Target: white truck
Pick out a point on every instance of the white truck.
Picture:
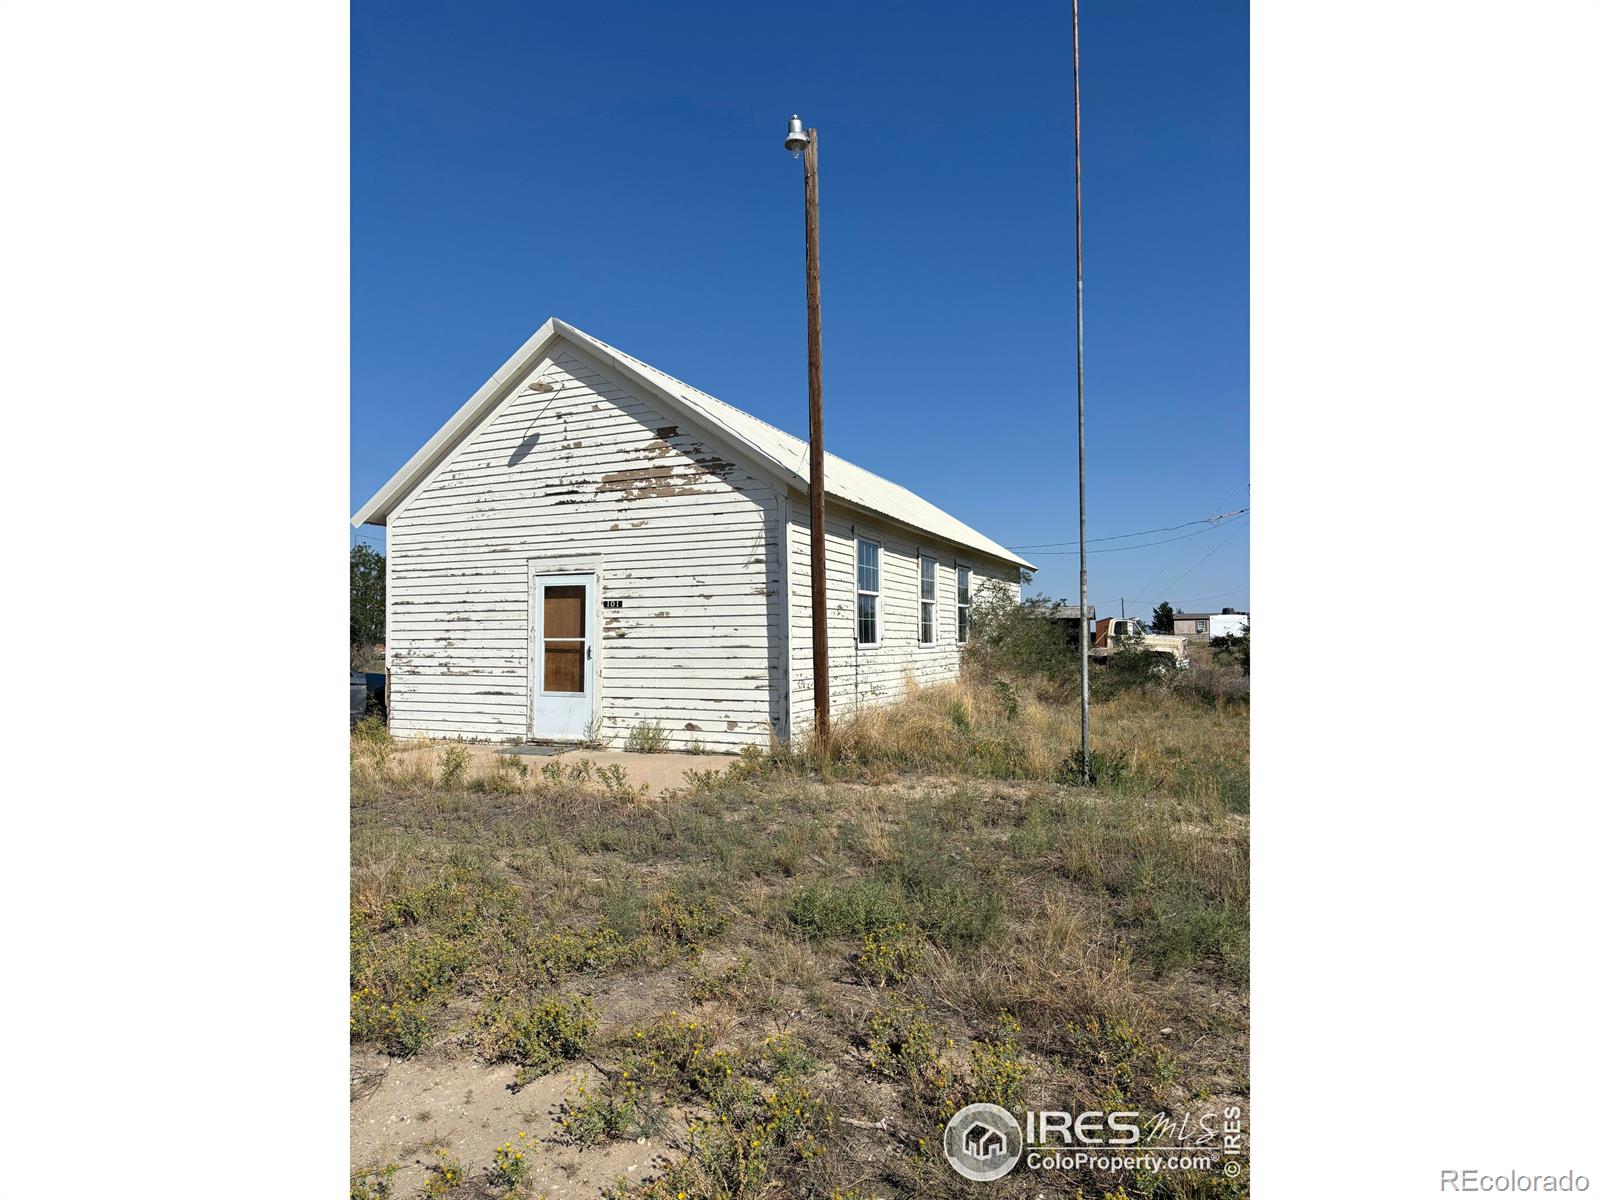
(1121, 633)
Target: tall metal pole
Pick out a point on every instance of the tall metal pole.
(1083, 524)
(819, 567)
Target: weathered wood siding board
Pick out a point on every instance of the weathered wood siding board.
(690, 543)
(860, 675)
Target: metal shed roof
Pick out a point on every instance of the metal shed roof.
(782, 452)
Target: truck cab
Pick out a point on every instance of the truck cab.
(1124, 633)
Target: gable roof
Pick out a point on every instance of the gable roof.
(781, 453)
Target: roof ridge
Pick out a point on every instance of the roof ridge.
(760, 420)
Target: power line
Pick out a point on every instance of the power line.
(1213, 596)
(1114, 537)
(1144, 546)
(1242, 483)
(1183, 574)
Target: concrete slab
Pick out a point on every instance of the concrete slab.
(659, 771)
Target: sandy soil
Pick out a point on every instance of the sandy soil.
(406, 1109)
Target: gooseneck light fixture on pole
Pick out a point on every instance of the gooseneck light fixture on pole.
(802, 143)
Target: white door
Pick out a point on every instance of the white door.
(563, 656)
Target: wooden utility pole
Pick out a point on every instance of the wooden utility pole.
(1083, 522)
(819, 536)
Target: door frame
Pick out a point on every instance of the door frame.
(565, 565)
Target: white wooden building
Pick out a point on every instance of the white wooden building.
(589, 544)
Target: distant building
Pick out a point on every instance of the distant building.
(1227, 623)
(1057, 612)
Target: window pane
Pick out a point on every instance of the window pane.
(563, 667)
(867, 618)
(867, 566)
(963, 623)
(963, 586)
(927, 579)
(564, 611)
(925, 633)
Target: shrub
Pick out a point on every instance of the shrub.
(1017, 639)
(902, 1044)
(552, 1030)
(444, 1176)
(376, 1184)
(623, 1109)
(453, 766)
(998, 1068)
(890, 955)
(510, 1165)
(825, 908)
(1121, 1065)
(647, 737)
(1105, 769)
(686, 921)
(704, 986)
(401, 1027)
(371, 732)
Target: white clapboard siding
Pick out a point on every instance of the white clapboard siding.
(689, 541)
(694, 515)
(859, 675)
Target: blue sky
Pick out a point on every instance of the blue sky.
(621, 166)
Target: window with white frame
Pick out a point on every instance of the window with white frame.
(866, 592)
(927, 626)
(963, 603)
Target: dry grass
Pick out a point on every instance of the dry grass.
(1154, 740)
(1109, 923)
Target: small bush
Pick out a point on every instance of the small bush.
(1122, 1066)
(623, 1109)
(453, 765)
(551, 1030)
(705, 987)
(370, 731)
(1105, 769)
(401, 1027)
(647, 737)
(902, 1044)
(373, 1185)
(998, 1069)
(686, 921)
(444, 1177)
(890, 955)
(510, 1165)
(825, 908)
(1006, 695)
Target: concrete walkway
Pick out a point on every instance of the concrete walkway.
(659, 771)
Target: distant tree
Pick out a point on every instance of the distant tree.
(366, 596)
(1161, 618)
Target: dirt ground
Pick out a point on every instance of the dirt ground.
(404, 1110)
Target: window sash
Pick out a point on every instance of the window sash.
(867, 618)
(868, 555)
(927, 623)
(867, 566)
(963, 603)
